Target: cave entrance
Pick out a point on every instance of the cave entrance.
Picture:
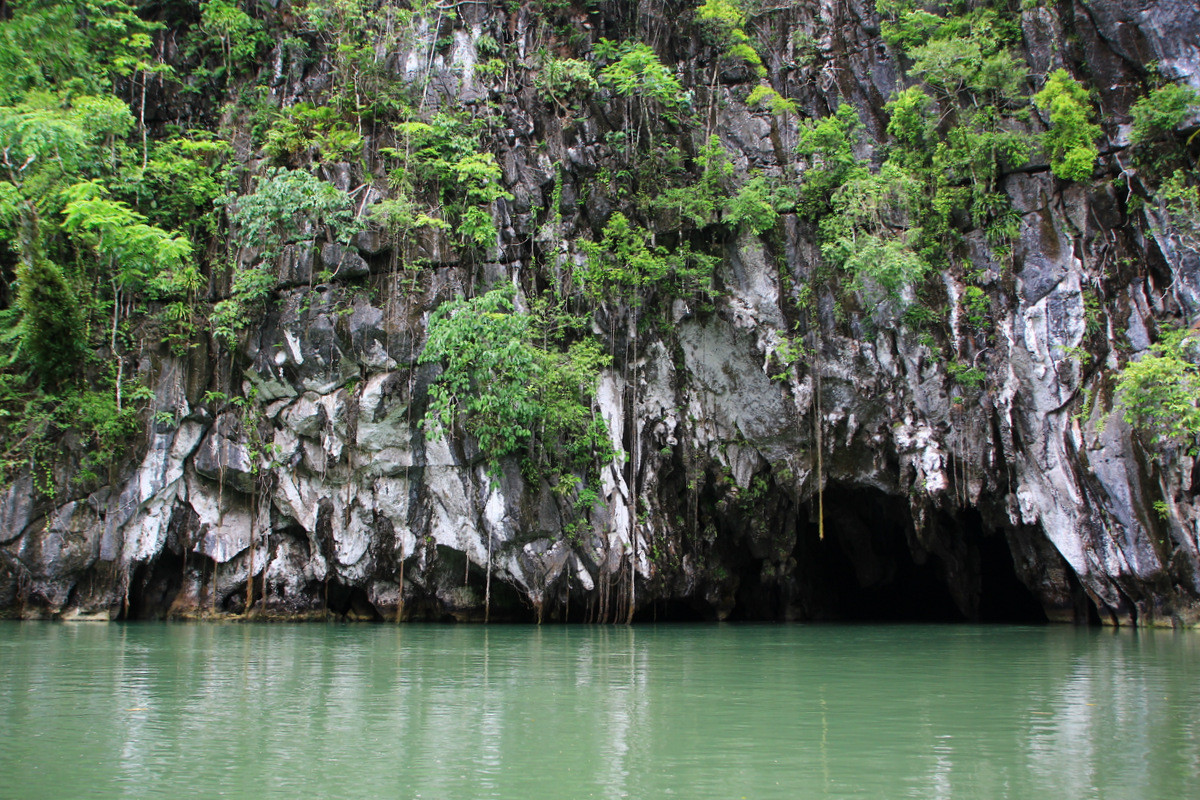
(872, 566)
(153, 587)
(864, 569)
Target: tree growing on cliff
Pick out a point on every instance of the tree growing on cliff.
(1159, 393)
(50, 336)
(511, 394)
(722, 25)
(1158, 122)
(1071, 140)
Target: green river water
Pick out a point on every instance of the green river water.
(770, 711)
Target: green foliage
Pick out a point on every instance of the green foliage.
(51, 331)
(977, 306)
(1157, 116)
(869, 231)
(788, 351)
(72, 186)
(911, 24)
(1072, 135)
(636, 71)
(956, 131)
(489, 366)
(626, 258)
(869, 223)
(763, 96)
(30, 422)
(48, 144)
(965, 375)
(562, 80)
(699, 201)
(400, 216)
(492, 68)
(443, 156)
(565, 388)
(1158, 148)
(1093, 308)
(106, 427)
(289, 206)
(507, 392)
(1160, 393)
(77, 45)
(319, 132)
(718, 19)
(183, 180)
(757, 205)
(721, 25)
(135, 254)
(354, 35)
(828, 146)
(1179, 199)
(238, 35)
(953, 65)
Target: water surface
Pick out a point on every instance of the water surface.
(356, 711)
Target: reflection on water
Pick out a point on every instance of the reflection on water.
(518, 712)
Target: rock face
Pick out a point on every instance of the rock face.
(857, 482)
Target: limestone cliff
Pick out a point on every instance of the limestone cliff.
(788, 447)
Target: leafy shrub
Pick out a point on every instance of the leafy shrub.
(287, 207)
(636, 71)
(1072, 135)
(975, 302)
(1160, 392)
(966, 375)
(1179, 198)
(51, 331)
(1157, 115)
(506, 391)
(561, 79)
(697, 202)
(870, 231)
(186, 176)
(721, 25)
(755, 207)
(305, 128)
(238, 35)
(827, 144)
(625, 257)
(1158, 149)
(763, 96)
(443, 156)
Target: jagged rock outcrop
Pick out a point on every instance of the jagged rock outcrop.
(857, 481)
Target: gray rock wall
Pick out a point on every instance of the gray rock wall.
(857, 480)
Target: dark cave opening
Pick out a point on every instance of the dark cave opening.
(1003, 597)
(350, 601)
(153, 587)
(863, 569)
(872, 566)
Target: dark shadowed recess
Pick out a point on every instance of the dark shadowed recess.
(874, 565)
